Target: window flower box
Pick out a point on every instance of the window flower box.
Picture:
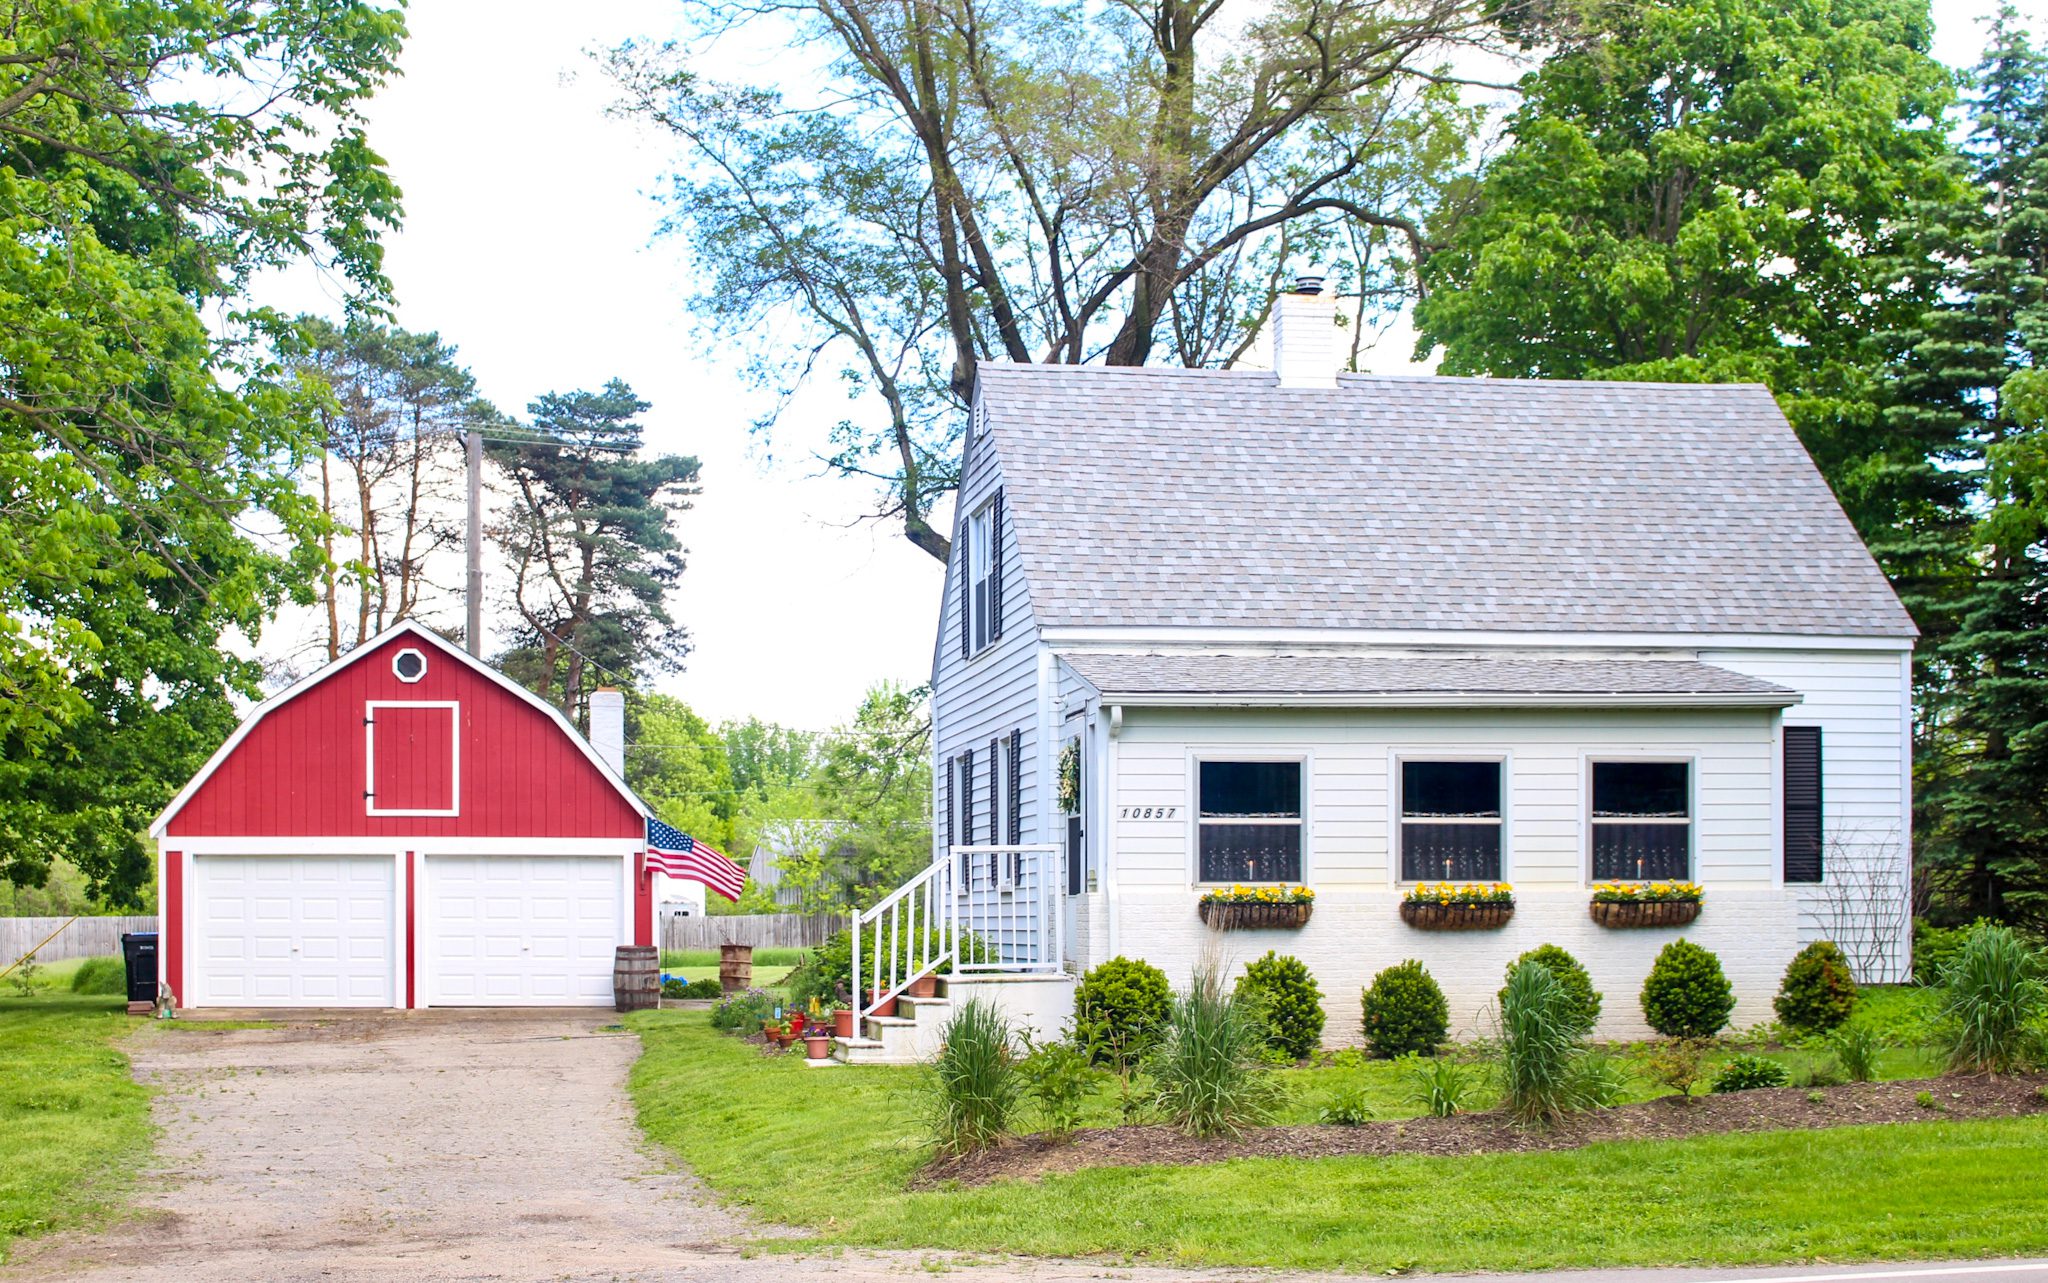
(1646, 904)
(1255, 908)
(1446, 906)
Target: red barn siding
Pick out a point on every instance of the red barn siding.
(300, 772)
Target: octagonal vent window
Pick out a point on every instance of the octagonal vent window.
(409, 665)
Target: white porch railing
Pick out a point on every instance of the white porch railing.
(1003, 900)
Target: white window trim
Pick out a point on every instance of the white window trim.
(981, 632)
(417, 677)
(1195, 758)
(1692, 809)
(370, 806)
(1395, 820)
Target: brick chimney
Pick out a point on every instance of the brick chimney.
(1305, 336)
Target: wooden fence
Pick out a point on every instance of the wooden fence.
(85, 938)
(762, 930)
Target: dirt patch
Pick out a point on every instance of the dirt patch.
(1767, 1109)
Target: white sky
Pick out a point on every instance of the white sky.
(528, 244)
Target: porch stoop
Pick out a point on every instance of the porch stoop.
(1039, 1005)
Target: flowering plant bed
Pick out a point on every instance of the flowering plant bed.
(1249, 908)
(1646, 904)
(1447, 906)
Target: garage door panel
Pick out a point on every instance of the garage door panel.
(287, 931)
(522, 930)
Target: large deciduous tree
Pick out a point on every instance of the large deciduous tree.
(153, 155)
(945, 182)
(1712, 190)
(591, 549)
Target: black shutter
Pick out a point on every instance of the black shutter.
(1077, 852)
(966, 590)
(995, 569)
(994, 747)
(1016, 788)
(1802, 804)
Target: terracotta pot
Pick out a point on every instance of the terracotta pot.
(818, 1047)
(924, 986)
(842, 1023)
(1428, 915)
(1251, 917)
(886, 1007)
(1644, 913)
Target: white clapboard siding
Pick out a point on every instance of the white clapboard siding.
(1860, 700)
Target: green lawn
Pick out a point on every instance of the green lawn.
(833, 1150)
(74, 1127)
(765, 959)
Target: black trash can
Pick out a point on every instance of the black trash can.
(138, 949)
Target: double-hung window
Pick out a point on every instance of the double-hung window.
(1642, 821)
(1450, 821)
(981, 562)
(1249, 817)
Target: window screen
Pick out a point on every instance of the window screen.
(1450, 821)
(1642, 821)
(1250, 821)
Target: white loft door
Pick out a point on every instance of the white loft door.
(522, 931)
(292, 931)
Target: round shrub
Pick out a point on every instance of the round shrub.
(1289, 1001)
(1583, 1006)
(705, 988)
(1747, 1073)
(1405, 1011)
(1818, 992)
(100, 976)
(1687, 996)
(1120, 1009)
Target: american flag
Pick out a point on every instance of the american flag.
(676, 853)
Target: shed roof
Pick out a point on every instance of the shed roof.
(1373, 679)
(1194, 498)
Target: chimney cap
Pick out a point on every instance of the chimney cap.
(1308, 284)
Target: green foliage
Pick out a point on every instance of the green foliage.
(1348, 1106)
(1678, 1063)
(1993, 1004)
(145, 427)
(1206, 1069)
(1060, 1077)
(976, 1083)
(1440, 1085)
(1856, 1047)
(1686, 994)
(1543, 1067)
(1405, 1011)
(1287, 1001)
(673, 986)
(1746, 1072)
(743, 1012)
(100, 976)
(700, 990)
(1935, 948)
(592, 513)
(1572, 974)
(1817, 993)
(1121, 1010)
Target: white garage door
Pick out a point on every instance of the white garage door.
(292, 931)
(534, 930)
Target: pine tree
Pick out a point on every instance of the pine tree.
(1979, 361)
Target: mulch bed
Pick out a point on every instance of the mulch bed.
(1766, 1109)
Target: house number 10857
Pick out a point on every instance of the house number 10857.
(1148, 812)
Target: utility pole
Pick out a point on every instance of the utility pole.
(473, 446)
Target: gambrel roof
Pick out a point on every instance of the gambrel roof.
(1190, 498)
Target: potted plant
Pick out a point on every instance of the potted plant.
(1448, 906)
(924, 986)
(817, 1043)
(1248, 908)
(1646, 904)
(797, 1022)
(842, 1022)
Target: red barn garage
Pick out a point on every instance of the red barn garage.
(406, 827)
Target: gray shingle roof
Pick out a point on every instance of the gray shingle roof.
(1167, 497)
(1635, 681)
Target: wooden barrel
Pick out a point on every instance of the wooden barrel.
(735, 967)
(636, 977)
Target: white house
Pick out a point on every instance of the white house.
(1355, 632)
